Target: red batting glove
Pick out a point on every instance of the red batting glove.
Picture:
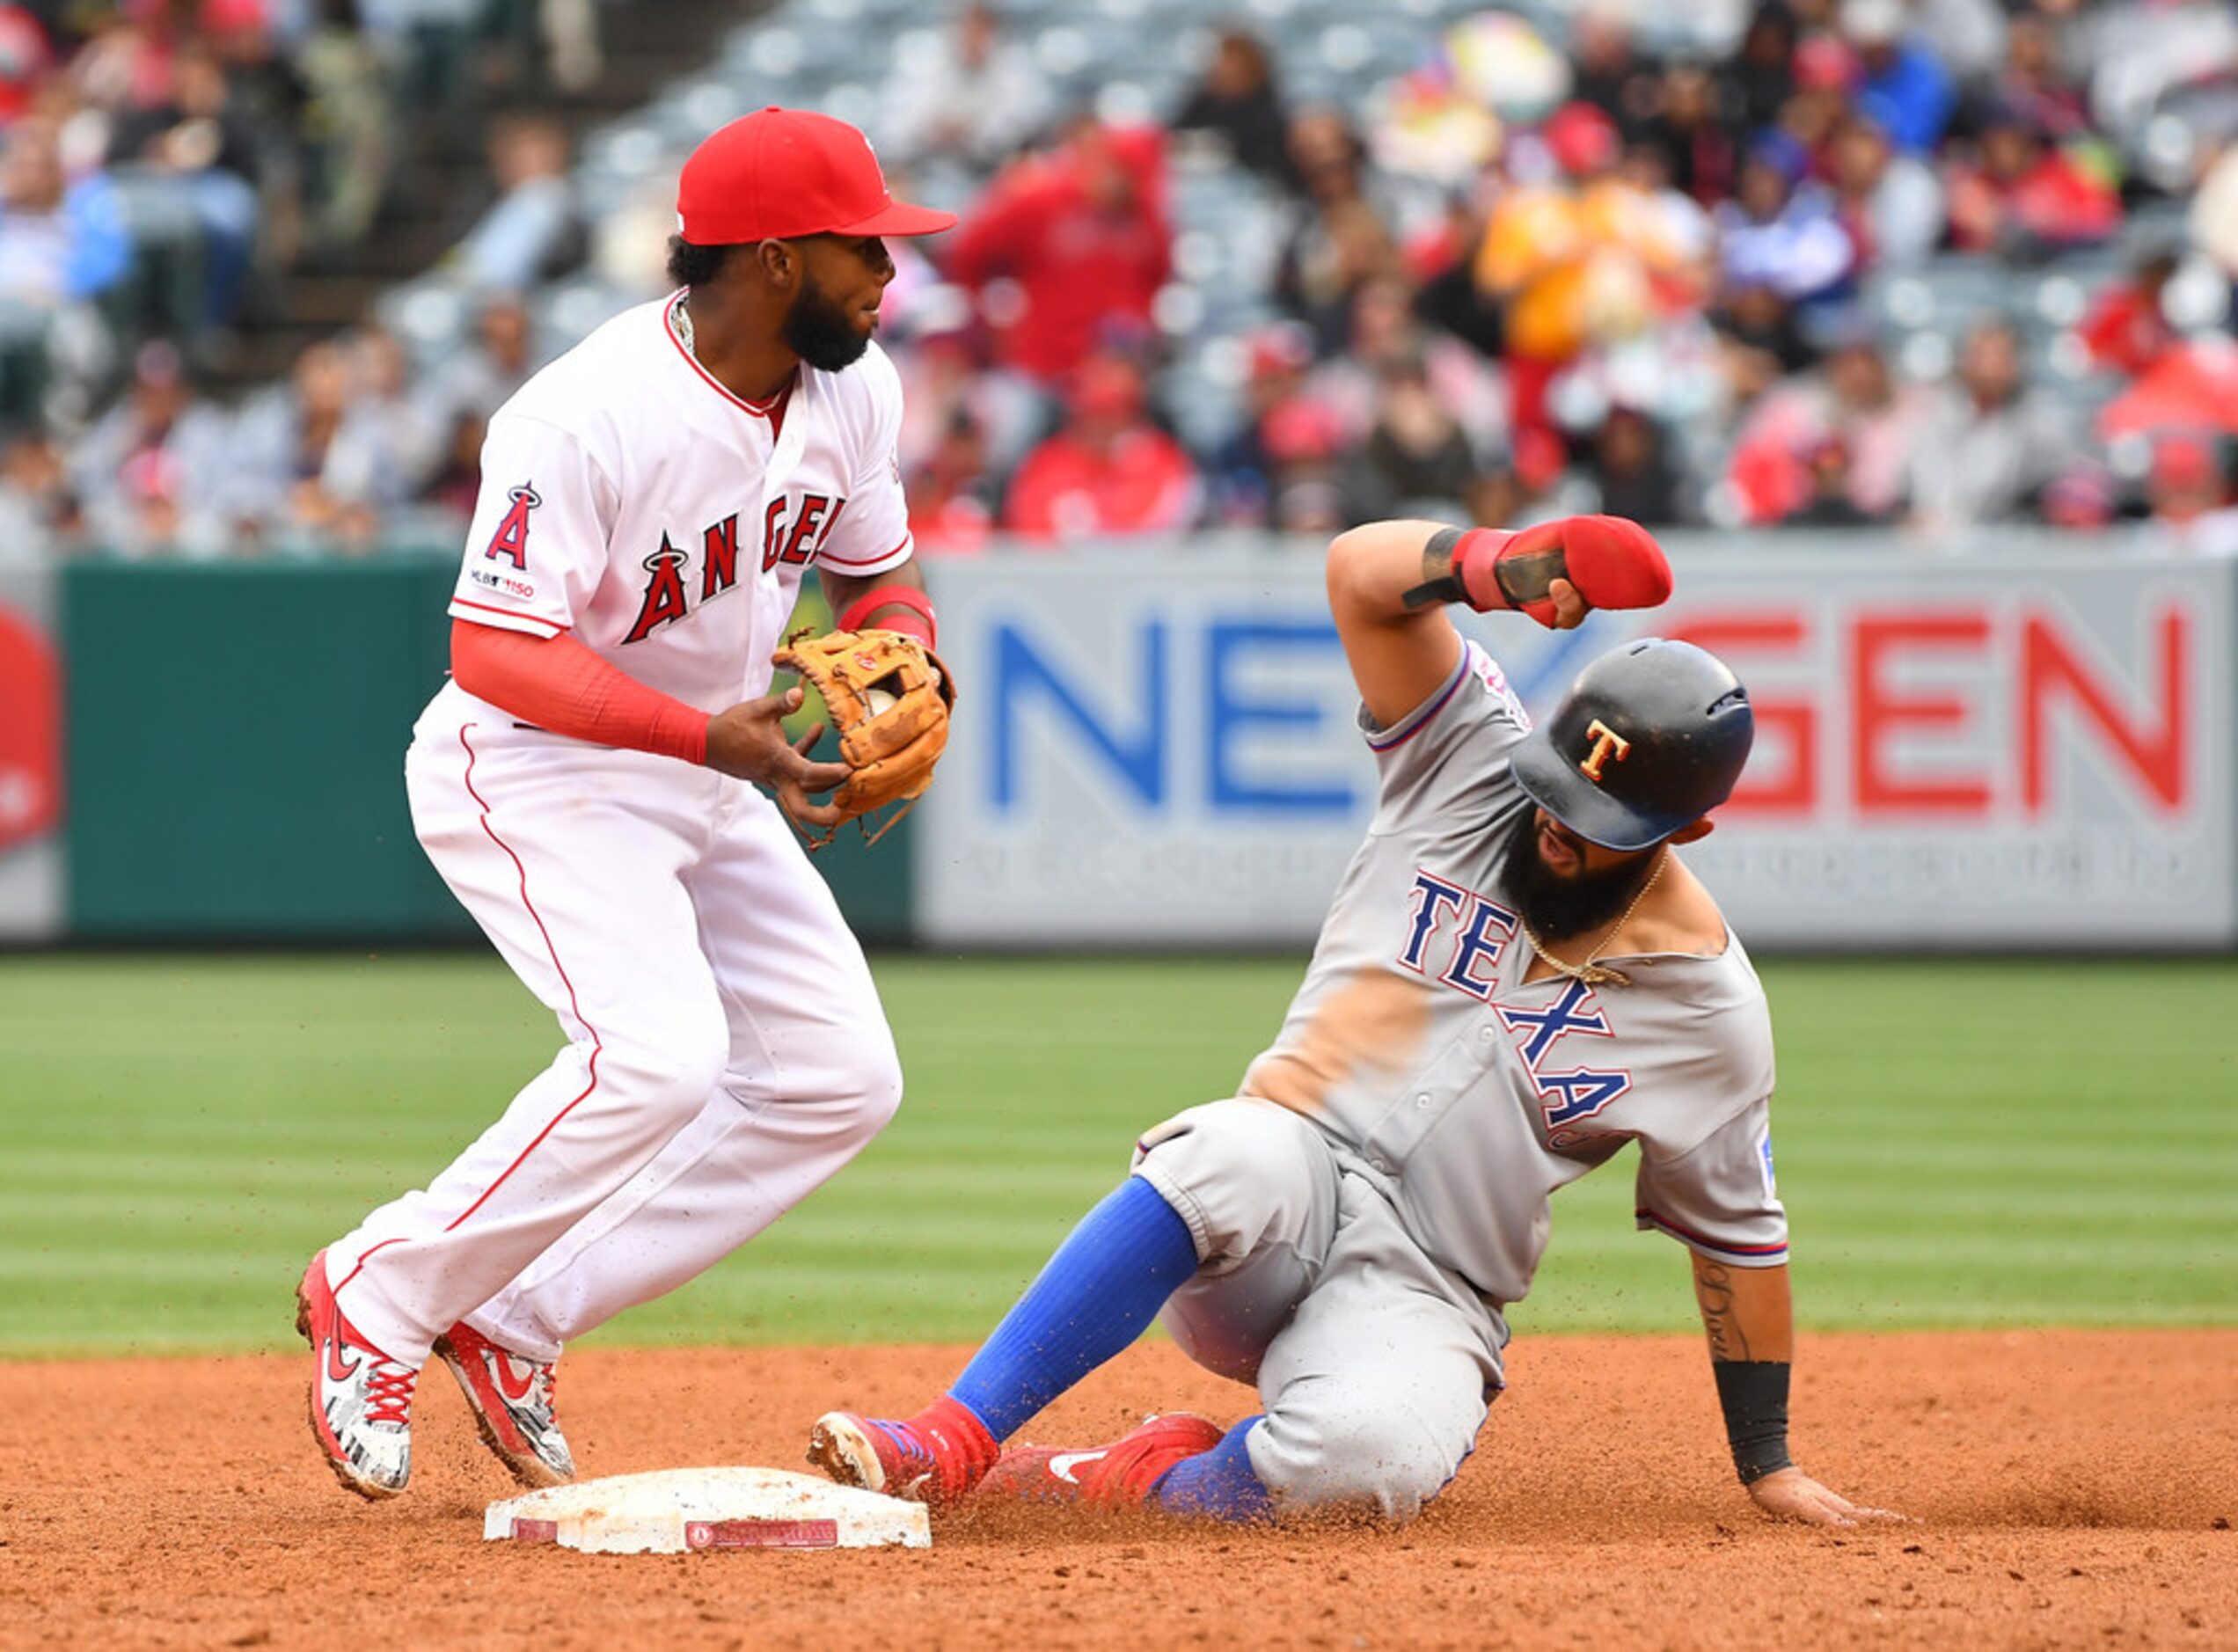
(1613, 563)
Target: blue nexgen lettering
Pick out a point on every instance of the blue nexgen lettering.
(1139, 759)
(1227, 711)
(1032, 669)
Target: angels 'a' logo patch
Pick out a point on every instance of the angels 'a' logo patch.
(511, 539)
(664, 595)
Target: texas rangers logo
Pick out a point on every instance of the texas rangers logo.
(511, 539)
(1481, 934)
(1606, 743)
(1566, 1100)
(1575, 1011)
(1470, 932)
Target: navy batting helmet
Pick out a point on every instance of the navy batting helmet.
(1652, 736)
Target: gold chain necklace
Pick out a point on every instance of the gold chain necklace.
(682, 318)
(1591, 974)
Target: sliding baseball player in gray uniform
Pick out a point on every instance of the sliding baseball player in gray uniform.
(1517, 976)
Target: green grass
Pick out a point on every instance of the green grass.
(1959, 1144)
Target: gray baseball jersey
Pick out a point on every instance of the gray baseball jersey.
(1417, 1047)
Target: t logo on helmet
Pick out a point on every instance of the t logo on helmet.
(1606, 743)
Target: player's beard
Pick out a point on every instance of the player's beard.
(1558, 907)
(821, 333)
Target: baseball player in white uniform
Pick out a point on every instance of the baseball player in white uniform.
(650, 502)
(1517, 976)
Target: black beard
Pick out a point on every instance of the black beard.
(821, 334)
(1558, 908)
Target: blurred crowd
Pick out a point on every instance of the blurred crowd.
(164, 165)
(1559, 264)
(1537, 275)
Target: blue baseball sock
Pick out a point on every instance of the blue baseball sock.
(1096, 1295)
(1219, 1483)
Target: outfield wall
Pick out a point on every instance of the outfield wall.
(232, 736)
(2028, 752)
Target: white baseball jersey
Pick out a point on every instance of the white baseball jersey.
(627, 497)
(1416, 1043)
(725, 1048)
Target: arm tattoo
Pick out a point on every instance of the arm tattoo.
(1438, 583)
(1714, 1290)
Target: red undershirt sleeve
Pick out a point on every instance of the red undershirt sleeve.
(558, 684)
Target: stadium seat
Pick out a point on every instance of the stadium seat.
(429, 316)
(630, 149)
(564, 313)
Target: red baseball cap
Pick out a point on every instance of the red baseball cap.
(779, 173)
(1581, 139)
(2183, 460)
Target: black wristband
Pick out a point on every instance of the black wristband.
(1431, 592)
(1440, 583)
(1754, 1395)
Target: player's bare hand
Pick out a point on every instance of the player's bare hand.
(1570, 606)
(749, 740)
(1791, 1495)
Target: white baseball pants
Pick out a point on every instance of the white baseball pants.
(726, 1048)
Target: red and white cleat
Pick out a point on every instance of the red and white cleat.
(514, 1399)
(361, 1399)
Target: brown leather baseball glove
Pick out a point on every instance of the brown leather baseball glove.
(888, 697)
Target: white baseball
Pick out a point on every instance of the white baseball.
(878, 700)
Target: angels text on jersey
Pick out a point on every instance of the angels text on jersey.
(794, 527)
(793, 532)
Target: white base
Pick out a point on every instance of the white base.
(677, 1510)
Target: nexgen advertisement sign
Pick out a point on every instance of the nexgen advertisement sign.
(31, 763)
(1993, 754)
(2005, 753)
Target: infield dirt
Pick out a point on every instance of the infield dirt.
(2068, 1488)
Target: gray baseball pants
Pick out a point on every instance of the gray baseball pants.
(1376, 1366)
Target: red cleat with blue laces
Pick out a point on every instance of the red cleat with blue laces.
(936, 1456)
